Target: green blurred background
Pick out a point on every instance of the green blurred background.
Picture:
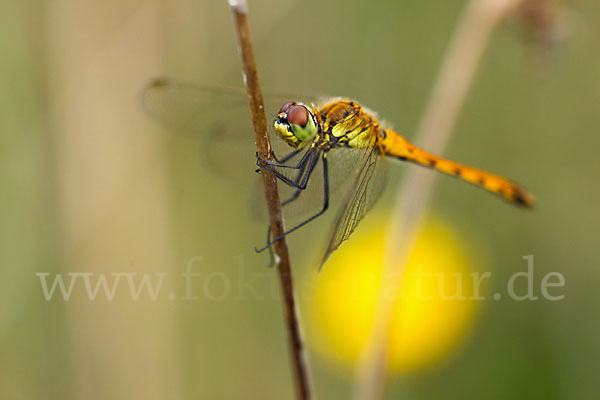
(91, 184)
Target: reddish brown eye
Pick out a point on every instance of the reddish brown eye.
(298, 115)
(286, 107)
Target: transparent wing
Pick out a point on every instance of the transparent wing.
(185, 106)
(219, 119)
(215, 120)
(366, 187)
(218, 116)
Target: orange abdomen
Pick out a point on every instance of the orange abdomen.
(394, 145)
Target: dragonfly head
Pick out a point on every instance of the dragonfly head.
(296, 124)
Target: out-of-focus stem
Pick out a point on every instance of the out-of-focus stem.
(454, 79)
(239, 9)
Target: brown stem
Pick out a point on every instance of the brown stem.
(263, 145)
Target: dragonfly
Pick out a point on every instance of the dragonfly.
(330, 141)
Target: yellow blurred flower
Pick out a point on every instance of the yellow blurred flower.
(434, 306)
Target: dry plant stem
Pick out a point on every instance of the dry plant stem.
(240, 16)
(450, 90)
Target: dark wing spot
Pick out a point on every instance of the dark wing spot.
(432, 163)
(481, 180)
(457, 171)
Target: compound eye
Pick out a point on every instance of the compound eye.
(286, 107)
(298, 115)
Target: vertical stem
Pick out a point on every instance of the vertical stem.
(452, 85)
(240, 17)
(102, 227)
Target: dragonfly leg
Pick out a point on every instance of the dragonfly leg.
(308, 163)
(299, 186)
(285, 158)
(263, 163)
(283, 178)
(284, 203)
(291, 199)
(312, 218)
(260, 162)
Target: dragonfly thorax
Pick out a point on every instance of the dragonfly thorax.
(297, 124)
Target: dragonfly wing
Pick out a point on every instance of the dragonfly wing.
(181, 106)
(218, 117)
(366, 187)
(215, 121)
